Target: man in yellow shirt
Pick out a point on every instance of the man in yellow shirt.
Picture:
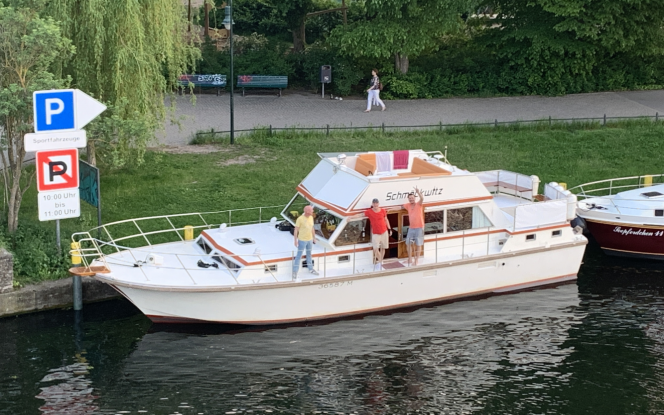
(304, 238)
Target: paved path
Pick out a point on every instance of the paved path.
(300, 109)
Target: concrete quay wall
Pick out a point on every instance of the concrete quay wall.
(52, 294)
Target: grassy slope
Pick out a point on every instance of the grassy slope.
(180, 183)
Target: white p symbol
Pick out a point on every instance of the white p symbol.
(60, 106)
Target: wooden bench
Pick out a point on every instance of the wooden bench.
(212, 81)
(262, 81)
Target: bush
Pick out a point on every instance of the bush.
(35, 253)
(345, 73)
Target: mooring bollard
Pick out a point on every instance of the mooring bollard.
(76, 281)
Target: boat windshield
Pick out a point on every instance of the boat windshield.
(325, 222)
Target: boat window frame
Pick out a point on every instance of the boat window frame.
(348, 222)
(204, 244)
(321, 215)
(227, 263)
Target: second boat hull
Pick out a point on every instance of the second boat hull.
(627, 240)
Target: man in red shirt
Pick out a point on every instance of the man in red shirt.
(416, 225)
(379, 232)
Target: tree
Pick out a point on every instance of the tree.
(129, 55)
(568, 46)
(29, 45)
(294, 12)
(399, 28)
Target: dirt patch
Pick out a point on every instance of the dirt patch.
(193, 149)
(239, 160)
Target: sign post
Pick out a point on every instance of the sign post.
(59, 116)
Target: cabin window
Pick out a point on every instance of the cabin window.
(227, 263)
(295, 208)
(343, 258)
(659, 212)
(204, 246)
(271, 268)
(557, 233)
(325, 222)
(530, 237)
(355, 232)
(434, 222)
(466, 218)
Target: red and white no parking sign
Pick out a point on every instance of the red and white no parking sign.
(57, 169)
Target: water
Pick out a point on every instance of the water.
(596, 347)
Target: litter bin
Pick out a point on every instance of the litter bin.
(325, 77)
(326, 74)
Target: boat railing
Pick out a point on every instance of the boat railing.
(258, 267)
(509, 183)
(611, 187)
(155, 230)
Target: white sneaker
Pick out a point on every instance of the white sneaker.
(313, 272)
(378, 267)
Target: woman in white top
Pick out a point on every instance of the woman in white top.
(374, 91)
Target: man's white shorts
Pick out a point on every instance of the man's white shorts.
(378, 240)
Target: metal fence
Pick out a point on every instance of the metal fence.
(270, 130)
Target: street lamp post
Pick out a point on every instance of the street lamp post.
(228, 24)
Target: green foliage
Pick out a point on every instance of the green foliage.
(35, 253)
(345, 73)
(399, 27)
(29, 45)
(129, 55)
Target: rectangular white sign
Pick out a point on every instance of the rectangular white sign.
(55, 140)
(59, 204)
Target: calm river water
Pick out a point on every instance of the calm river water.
(595, 347)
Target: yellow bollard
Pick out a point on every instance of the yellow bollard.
(647, 181)
(564, 185)
(76, 253)
(188, 233)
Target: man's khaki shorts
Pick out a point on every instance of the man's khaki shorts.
(380, 239)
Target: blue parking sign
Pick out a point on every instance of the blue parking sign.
(54, 110)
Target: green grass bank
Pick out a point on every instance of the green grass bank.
(263, 170)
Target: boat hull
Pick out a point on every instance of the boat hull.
(331, 298)
(628, 240)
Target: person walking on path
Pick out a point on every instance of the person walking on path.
(379, 232)
(374, 91)
(304, 237)
(416, 226)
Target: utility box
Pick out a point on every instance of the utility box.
(326, 74)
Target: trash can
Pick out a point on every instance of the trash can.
(326, 74)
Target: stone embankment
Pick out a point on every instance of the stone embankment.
(46, 295)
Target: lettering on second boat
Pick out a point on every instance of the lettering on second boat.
(640, 232)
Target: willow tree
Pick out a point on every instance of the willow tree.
(129, 54)
(29, 44)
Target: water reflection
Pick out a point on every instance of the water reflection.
(595, 347)
(432, 359)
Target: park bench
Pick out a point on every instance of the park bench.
(211, 81)
(262, 81)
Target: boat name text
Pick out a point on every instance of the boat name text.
(640, 232)
(436, 191)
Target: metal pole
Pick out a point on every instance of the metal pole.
(324, 262)
(322, 94)
(98, 206)
(57, 235)
(230, 4)
(78, 293)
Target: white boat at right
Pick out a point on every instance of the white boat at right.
(625, 215)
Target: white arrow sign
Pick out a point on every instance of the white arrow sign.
(86, 107)
(62, 110)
